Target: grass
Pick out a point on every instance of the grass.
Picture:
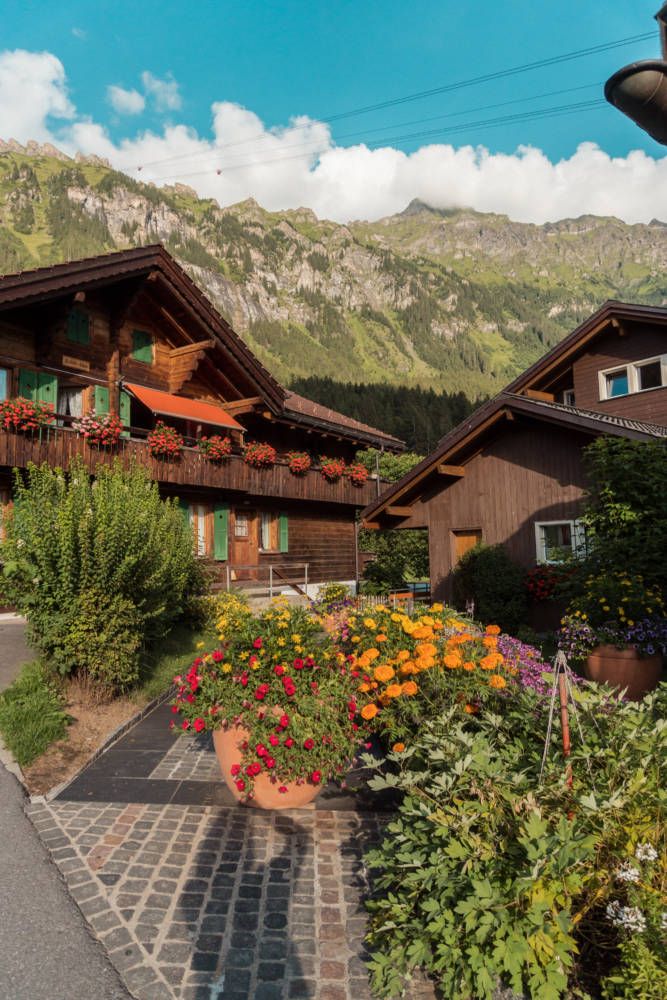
(171, 656)
(31, 714)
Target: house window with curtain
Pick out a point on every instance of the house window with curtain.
(267, 531)
(557, 541)
(70, 402)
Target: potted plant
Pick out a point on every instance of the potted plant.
(281, 704)
(101, 431)
(357, 474)
(617, 628)
(164, 441)
(298, 462)
(260, 455)
(215, 448)
(332, 469)
(25, 415)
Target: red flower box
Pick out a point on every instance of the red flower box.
(333, 469)
(164, 441)
(260, 456)
(298, 462)
(215, 448)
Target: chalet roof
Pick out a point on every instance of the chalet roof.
(46, 283)
(611, 312)
(462, 439)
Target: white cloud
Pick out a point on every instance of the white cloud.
(80, 34)
(300, 165)
(125, 102)
(164, 93)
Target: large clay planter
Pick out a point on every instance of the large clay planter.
(624, 668)
(227, 743)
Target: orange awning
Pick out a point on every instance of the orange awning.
(166, 405)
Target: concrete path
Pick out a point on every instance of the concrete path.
(46, 950)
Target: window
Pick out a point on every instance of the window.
(568, 397)
(142, 346)
(4, 383)
(241, 524)
(78, 327)
(558, 540)
(267, 535)
(639, 376)
(70, 401)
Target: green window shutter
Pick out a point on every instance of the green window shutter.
(184, 508)
(28, 384)
(283, 533)
(142, 346)
(124, 411)
(47, 389)
(220, 531)
(78, 327)
(101, 400)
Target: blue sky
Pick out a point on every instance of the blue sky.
(284, 59)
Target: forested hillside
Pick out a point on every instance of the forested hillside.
(450, 301)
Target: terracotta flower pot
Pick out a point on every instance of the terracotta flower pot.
(624, 668)
(227, 743)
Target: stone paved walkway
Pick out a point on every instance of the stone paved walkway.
(197, 899)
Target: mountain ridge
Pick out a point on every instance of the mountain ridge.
(451, 299)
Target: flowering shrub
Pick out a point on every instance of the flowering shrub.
(543, 580)
(102, 431)
(298, 462)
(332, 469)
(260, 456)
(532, 670)
(615, 609)
(24, 415)
(357, 474)
(489, 878)
(164, 441)
(274, 675)
(215, 448)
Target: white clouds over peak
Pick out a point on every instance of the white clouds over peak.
(299, 164)
(164, 93)
(125, 102)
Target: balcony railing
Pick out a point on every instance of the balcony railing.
(59, 446)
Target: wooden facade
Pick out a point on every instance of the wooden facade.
(513, 473)
(103, 335)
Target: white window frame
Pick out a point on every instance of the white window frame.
(632, 371)
(577, 534)
(568, 393)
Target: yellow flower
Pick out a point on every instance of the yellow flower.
(381, 607)
(426, 620)
(200, 645)
(296, 638)
(422, 632)
(396, 617)
(402, 655)
(226, 668)
(244, 656)
(369, 623)
(630, 622)
(437, 607)
(356, 638)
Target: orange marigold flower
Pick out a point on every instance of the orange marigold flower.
(409, 688)
(407, 668)
(402, 655)
(425, 663)
(423, 632)
(426, 649)
(488, 662)
(493, 629)
(369, 711)
(490, 641)
(452, 661)
(398, 747)
(468, 665)
(380, 638)
(383, 673)
(394, 691)
(364, 687)
(372, 653)
(471, 709)
(496, 681)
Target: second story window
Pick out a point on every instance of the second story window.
(4, 383)
(78, 327)
(142, 346)
(638, 376)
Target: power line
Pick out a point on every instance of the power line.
(444, 89)
(559, 111)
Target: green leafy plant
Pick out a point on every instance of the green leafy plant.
(489, 577)
(31, 714)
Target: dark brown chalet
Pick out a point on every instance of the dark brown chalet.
(130, 333)
(512, 473)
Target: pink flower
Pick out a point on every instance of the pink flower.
(269, 762)
(235, 769)
(289, 742)
(217, 656)
(284, 721)
(273, 740)
(257, 643)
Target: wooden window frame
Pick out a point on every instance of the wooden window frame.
(577, 543)
(135, 350)
(78, 336)
(274, 531)
(631, 369)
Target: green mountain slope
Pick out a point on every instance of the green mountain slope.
(450, 300)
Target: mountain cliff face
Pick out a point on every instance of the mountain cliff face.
(456, 300)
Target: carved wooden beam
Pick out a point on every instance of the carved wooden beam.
(451, 470)
(398, 511)
(179, 352)
(546, 397)
(370, 525)
(246, 405)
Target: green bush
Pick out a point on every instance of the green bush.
(487, 576)
(488, 877)
(31, 714)
(97, 566)
(331, 593)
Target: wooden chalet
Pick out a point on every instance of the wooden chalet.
(512, 473)
(129, 333)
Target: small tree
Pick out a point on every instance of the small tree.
(70, 537)
(487, 576)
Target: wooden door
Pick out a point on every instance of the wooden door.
(245, 543)
(464, 541)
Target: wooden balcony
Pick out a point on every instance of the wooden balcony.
(58, 446)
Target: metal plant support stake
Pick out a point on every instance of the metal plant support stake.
(562, 685)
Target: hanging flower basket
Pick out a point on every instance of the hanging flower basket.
(298, 462)
(260, 456)
(99, 431)
(357, 474)
(215, 448)
(333, 469)
(164, 441)
(25, 415)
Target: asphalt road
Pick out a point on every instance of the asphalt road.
(46, 951)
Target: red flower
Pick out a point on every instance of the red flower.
(316, 777)
(279, 671)
(257, 643)
(235, 769)
(284, 721)
(261, 750)
(199, 724)
(289, 742)
(185, 724)
(217, 656)
(298, 664)
(282, 789)
(273, 740)
(308, 744)
(269, 762)
(240, 784)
